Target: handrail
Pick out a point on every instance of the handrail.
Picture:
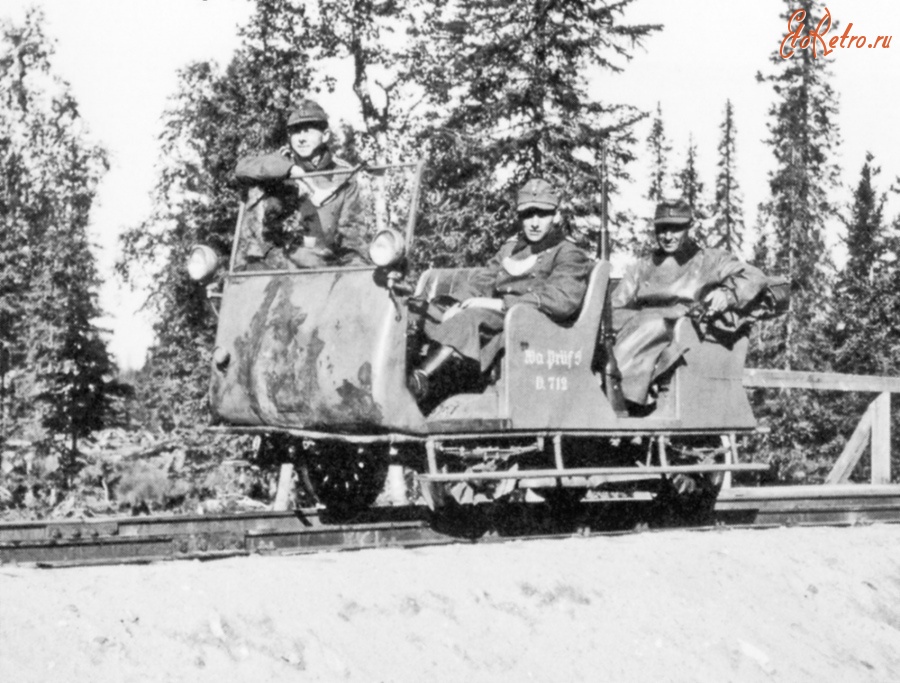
(874, 428)
(760, 378)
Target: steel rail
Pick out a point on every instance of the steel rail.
(60, 543)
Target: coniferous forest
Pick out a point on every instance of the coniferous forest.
(491, 93)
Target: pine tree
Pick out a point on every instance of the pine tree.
(727, 213)
(48, 294)
(659, 148)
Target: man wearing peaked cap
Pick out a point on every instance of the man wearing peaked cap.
(539, 267)
(326, 224)
(659, 288)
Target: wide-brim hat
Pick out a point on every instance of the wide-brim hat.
(673, 212)
(537, 194)
(307, 111)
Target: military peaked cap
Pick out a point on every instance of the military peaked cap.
(537, 194)
(676, 212)
(307, 111)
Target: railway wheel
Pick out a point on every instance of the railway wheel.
(445, 495)
(691, 498)
(688, 499)
(345, 478)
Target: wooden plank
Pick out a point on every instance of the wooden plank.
(853, 451)
(881, 439)
(823, 381)
(809, 492)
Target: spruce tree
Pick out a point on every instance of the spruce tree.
(803, 136)
(687, 181)
(865, 339)
(867, 243)
(863, 332)
(48, 287)
(508, 82)
(727, 214)
(659, 148)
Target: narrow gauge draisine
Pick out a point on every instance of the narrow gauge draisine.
(315, 361)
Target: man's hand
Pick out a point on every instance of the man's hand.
(716, 301)
(396, 285)
(304, 257)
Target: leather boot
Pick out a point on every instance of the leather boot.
(418, 379)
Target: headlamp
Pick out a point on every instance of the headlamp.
(387, 248)
(202, 263)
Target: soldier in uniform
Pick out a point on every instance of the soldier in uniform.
(323, 220)
(538, 267)
(658, 289)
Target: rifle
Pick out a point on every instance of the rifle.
(612, 377)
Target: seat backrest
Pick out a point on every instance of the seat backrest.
(546, 374)
(595, 297)
(706, 390)
(591, 313)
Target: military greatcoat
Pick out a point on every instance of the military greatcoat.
(337, 225)
(551, 276)
(657, 290)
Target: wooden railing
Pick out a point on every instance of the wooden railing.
(874, 428)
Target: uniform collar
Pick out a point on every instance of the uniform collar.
(322, 162)
(550, 240)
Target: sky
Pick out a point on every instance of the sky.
(121, 61)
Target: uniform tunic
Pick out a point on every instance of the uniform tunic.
(338, 224)
(657, 290)
(552, 279)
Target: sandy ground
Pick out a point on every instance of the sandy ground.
(780, 605)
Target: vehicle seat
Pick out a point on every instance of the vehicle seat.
(706, 388)
(436, 282)
(552, 363)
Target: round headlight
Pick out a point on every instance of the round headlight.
(202, 263)
(387, 248)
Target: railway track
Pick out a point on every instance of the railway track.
(57, 543)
